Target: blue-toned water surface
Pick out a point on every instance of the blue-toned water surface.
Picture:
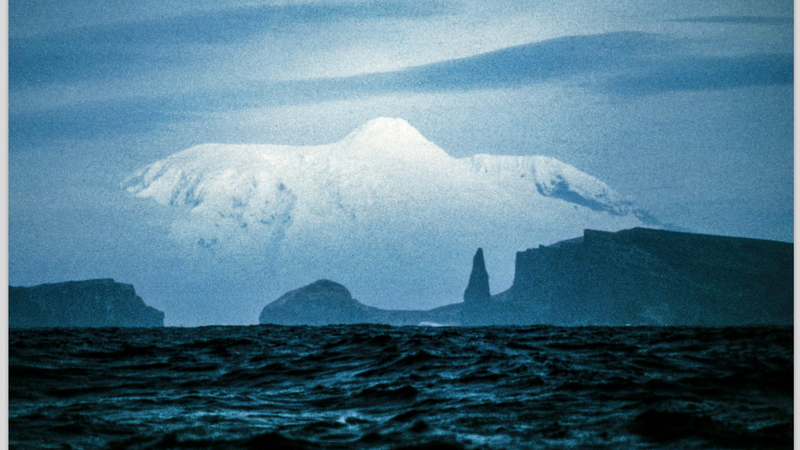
(375, 387)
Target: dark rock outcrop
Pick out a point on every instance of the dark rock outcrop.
(90, 303)
(648, 277)
(478, 286)
(325, 302)
(477, 296)
(631, 277)
(320, 303)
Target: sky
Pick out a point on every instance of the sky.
(685, 107)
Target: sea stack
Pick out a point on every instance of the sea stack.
(478, 288)
(477, 296)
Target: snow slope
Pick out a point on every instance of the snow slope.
(384, 211)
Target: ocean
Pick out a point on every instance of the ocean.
(381, 387)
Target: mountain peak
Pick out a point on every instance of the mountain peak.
(388, 125)
(391, 137)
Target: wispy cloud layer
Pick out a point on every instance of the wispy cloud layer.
(113, 50)
(706, 73)
(626, 63)
(745, 20)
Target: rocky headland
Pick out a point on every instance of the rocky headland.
(637, 276)
(89, 303)
(642, 277)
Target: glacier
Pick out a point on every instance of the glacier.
(384, 210)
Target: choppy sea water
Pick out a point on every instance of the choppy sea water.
(375, 387)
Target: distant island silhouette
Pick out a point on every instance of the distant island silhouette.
(638, 276)
(325, 302)
(88, 303)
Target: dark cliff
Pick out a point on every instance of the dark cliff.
(325, 302)
(90, 303)
(648, 277)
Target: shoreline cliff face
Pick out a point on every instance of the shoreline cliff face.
(647, 277)
(631, 277)
(89, 303)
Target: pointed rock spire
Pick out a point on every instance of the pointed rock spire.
(478, 287)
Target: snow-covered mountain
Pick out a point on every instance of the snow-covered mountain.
(383, 211)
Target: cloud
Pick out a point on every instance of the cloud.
(104, 51)
(744, 20)
(624, 63)
(554, 59)
(707, 73)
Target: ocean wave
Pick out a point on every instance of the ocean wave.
(376, 387)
